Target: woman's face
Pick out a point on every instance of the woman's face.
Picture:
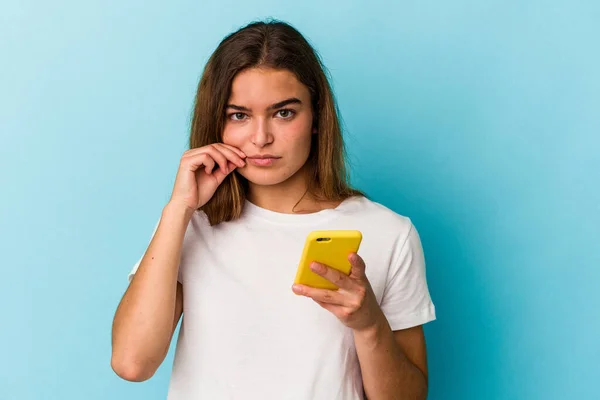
(269, 117)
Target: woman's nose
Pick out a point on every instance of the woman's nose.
(261, 135)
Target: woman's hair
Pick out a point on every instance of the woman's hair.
(277, 45)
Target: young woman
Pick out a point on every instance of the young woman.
(265, 167)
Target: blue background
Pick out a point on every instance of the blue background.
(478, 119)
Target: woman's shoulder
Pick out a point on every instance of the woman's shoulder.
(363, 208)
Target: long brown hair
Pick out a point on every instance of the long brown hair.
(271, 44)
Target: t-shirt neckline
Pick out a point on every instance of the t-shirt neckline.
(252, 210)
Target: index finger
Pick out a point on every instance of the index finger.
(332, 275)
(230, 155)
(235, 149)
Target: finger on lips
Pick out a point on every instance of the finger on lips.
(235, 149)
(236, 157)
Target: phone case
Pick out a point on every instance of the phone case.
(331, 248)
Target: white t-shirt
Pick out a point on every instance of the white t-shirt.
(246, 335)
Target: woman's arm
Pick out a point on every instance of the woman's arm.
(152, 305)
(393, 364)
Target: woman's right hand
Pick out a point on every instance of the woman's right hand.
(201, 171)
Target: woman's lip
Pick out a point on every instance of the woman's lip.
(261, 161)
(263, 156)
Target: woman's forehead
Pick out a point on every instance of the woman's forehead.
(262, 87)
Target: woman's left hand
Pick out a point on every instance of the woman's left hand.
(354, 303)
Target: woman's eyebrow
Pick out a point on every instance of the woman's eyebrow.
(291, 100)
(239, 108)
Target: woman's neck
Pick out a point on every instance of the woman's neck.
(289, 197)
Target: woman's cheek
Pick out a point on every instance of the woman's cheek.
(297, 129)
(232, 136)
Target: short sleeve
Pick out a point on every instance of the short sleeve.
(139, 261)
(134, 269)
(406, 301)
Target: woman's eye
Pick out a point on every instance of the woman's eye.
(286, 113)
(237, 116)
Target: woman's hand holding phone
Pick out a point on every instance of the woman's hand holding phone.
(201, 171)
(354, 302)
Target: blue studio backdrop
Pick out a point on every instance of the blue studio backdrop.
(477, 119)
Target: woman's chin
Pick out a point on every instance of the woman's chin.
(263, 177)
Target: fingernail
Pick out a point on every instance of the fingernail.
(316, 267)
(296, 288)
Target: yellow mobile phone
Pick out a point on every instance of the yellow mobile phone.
(330, 248)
